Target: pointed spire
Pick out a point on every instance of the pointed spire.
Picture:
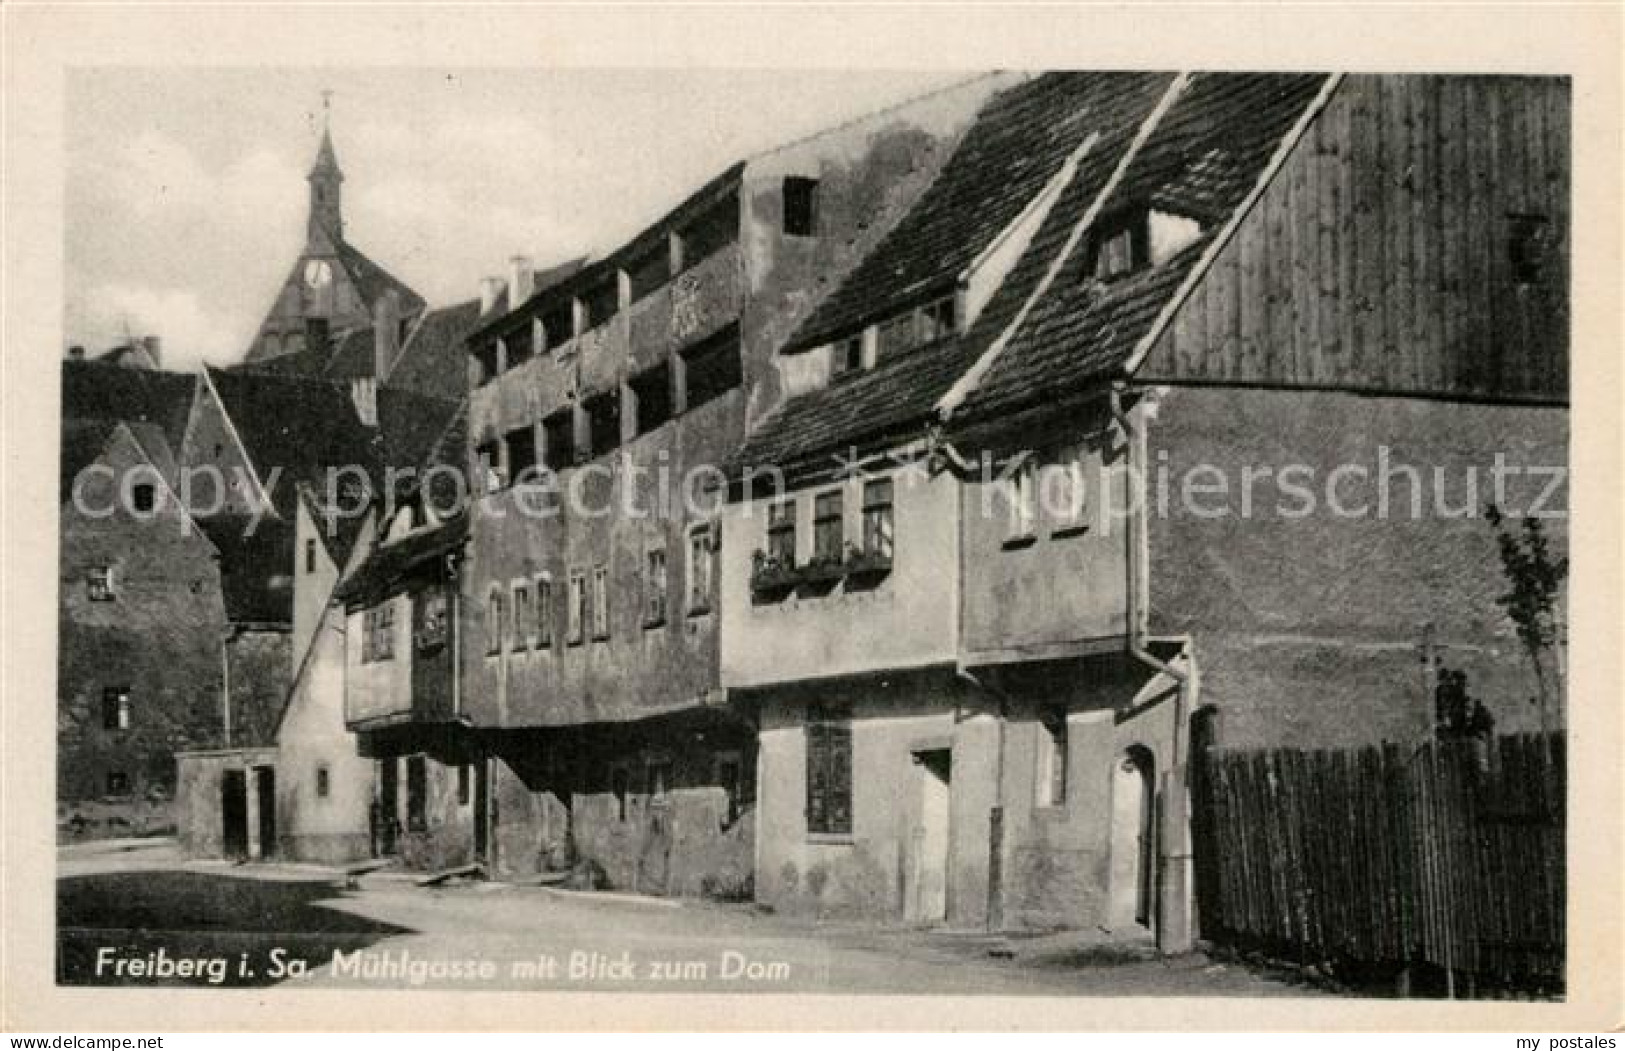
(326, 160)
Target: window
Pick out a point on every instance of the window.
(937, 319)
(521, 452)
(417, 794)
(493, 622)
(465, 777)
(142, 497)
(324, 784)
(576, 613)
(649, 270)
(544, 614)
(711, 232)
(603, 422)
(1121, 246)
(118, 783)
(800, 206)
(558, 327)
(116, 708)
(433, 621)
(651, 393)
(829, 770)
(781, 533)
(877, 519)
(1051, 783)
(310, 556)
(1065, 498)
(521, 615)
(1528, 246)
(485, 363)
(829, 527)
(896, 335)
(701, 556)
(657, 778)
(600, 603)
(620, 785)
(848, 355)
(378, 638)
(490, 458)
(519, 345)
(599, 302)
(559, 440)
(1021, 498)
(654, 587)
(711, 368)
(99, 582)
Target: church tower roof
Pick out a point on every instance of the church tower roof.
(327, 162)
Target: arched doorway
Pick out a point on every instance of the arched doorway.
(1134, 840)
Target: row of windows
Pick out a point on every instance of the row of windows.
(599, 302)
(876, 527)
(593, 427)
(912, 328)
(522, 616)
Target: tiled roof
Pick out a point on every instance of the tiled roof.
(1206, 153)
(256, 567)
(301, 426)
(82, 445)
(410, 424)
(1018, 142)
(372, 280)
(389, 565)
(432, 362)
(897, 394)
(308, 363)
(94, 390)
(353, 356)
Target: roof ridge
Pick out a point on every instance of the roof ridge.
(869, 115)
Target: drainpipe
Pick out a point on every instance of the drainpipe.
(1174, 928)
(225, 683)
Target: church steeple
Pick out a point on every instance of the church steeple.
(326, 185)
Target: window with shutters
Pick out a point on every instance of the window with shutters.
(654, 587)
(493, 622)
(829, 770)
(600, 603)
(544, 613)
(576, 612)
(701, 558)
(521, 616)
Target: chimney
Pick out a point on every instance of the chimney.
(76, 353)
(364, 392)
(490, 289)
(155, 350)
(521, 281)
(386, 334)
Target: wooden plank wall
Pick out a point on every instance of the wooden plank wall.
(1370, 861)
(1378, 258)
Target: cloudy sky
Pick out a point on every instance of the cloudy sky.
(186, 197)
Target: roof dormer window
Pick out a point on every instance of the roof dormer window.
(1137, 238)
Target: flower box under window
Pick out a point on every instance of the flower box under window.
(823, 571)
(772, 576)
(868, 565)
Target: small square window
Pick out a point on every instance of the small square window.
(937, 319)
(116, 708)
(143, 495)
(324, 782)
(99, 583)
(800, 206)
(848, 355)
(118, 783)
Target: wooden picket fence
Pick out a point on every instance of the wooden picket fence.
(1384, 861)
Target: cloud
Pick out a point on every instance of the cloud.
(191, 333)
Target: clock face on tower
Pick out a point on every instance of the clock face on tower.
(318, 273)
